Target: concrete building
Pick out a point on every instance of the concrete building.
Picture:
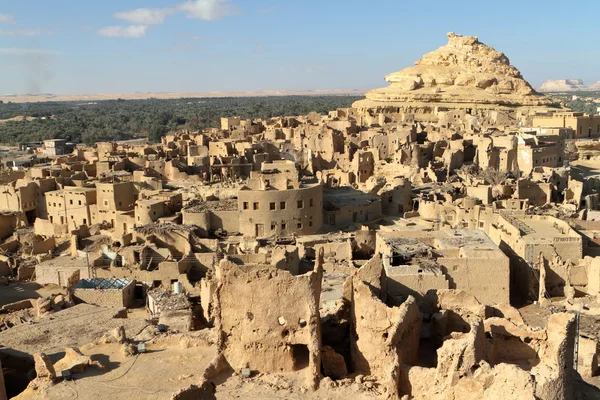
(173, 310)
(55, 147)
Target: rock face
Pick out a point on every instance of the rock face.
(463, 71)
(562, 85)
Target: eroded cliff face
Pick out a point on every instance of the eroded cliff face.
(463, 71)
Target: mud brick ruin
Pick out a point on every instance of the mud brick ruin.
(436, 240)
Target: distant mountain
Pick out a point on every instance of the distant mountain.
(594, 86)
(567, 85)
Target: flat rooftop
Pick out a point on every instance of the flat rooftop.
(542, 227)
(447, 243)
(347, 196)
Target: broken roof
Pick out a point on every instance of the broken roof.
(197, 206)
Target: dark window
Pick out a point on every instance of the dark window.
(299, 225)
(272, 206)
(300, 204)
(310, 202)
(282, 205)
(255, 205)
(283, 226)
(70, 201)
(245, 206)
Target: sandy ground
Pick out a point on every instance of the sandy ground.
(166, 369)
(292, 386)
(33, 98)
(26, 290)
(72, 327)
(156, 374)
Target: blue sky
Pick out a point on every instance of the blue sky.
(110, 46)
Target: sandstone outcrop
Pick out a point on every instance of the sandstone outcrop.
(464, 71)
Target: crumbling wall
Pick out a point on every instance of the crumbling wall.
(268, 319)
(491, 353)
(554, 374)
(382, 337)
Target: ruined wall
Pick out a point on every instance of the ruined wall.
(383, 338)
(486, 278)
(538, 194)
(268, 319)
(48, 273)
(226, 220)
(8, 224)
(490, 353)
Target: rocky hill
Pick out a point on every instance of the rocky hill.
(567, 85)
(463, 71)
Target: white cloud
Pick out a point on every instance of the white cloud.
(23, 51)
(6, 18)
(132, 31)
(20, 32)
(145, 16)
(209, 10)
